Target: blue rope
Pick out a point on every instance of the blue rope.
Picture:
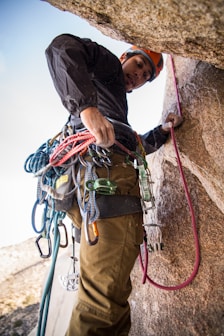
(34, 163)
(40, 158)
(45, 301)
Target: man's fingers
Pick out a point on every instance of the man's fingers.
(98, 126)
(105, 137)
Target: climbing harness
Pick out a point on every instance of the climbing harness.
(158, 245)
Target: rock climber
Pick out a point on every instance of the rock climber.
(93, 85)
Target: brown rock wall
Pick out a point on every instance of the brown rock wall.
(198, 308)
(188, 28)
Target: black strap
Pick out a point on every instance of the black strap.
(118, 205)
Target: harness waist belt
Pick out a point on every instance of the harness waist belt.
(118, 205)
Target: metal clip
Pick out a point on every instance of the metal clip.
(155, 247)
(102, 152)
(146, 185)
(100, 156)
(102, 186)
(61, 224)
(70, 282)
(49, 247)
(86, 231)
(33, 216)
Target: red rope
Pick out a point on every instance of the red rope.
(193, 221)
(71, 146)
(77, 143)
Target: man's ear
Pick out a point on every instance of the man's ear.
(123, 58)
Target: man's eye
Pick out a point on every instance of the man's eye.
(140, 65)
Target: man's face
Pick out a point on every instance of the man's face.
(137, 71)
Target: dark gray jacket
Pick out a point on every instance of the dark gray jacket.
(86, 74)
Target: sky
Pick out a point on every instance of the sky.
(31, 110)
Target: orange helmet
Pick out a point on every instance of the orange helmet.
(154, 58)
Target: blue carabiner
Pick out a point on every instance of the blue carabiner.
(33, 216)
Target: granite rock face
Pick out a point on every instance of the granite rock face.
(196, 309)
(193, 31)
(189, 28)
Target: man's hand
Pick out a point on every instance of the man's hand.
(98, 126)
(172, 120)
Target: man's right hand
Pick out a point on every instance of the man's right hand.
(98, 126)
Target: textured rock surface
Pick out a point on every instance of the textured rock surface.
(188, 28)
(198, 308)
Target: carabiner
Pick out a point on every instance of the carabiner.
(33, 216)
(102, 152)
(97, 161)
(44, 255)
(82, 161)
(86, 231)
(61, 224)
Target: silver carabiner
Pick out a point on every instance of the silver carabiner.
(102, 152)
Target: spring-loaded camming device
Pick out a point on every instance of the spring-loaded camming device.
(70, 281)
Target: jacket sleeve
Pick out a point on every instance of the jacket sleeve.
(70, 64)
(153, 139)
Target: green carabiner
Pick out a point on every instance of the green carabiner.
(102, 186)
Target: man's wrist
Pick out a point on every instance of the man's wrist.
(164, 131)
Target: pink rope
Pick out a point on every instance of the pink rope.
(193, 221)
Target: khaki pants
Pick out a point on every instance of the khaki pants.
(102, 307)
